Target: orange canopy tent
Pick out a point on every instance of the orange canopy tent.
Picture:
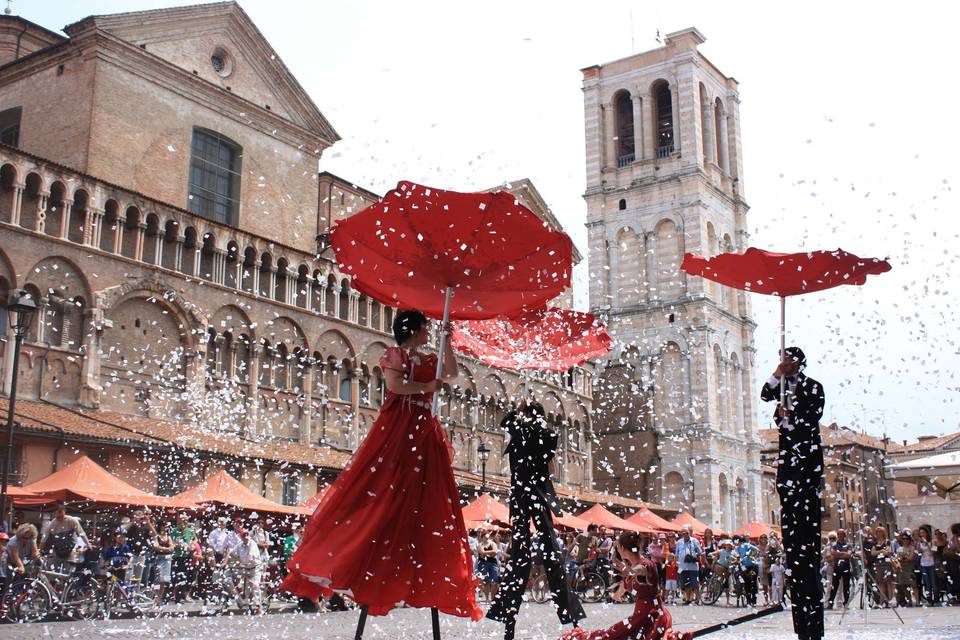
(754, 530)
(687, 519)
(646, 517)
(571, 522)
(600, 516)
(483, 525)
(83, 480)
(222, 488)
(19, 492)
(487, 508)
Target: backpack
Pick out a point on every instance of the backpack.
(63, 545)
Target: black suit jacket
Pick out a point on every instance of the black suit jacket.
(530, 451)
(801, 452)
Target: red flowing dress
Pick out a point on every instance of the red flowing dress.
(390, 531)
(649, 621)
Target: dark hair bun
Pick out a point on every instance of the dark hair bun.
(406, 323)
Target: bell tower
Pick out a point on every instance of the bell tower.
(674, 415)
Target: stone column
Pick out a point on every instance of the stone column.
(65, 219)
(306, 413)
(309, 294)
(90, 390)
(369, 303)
(42, 212)
(355, 410)
(323, 297)
(638, 150)
(158, 247)
(336, 301)
(17, 203)
(609, 131)
(272, 282)
(238, 274)
(219, 266)
(290, 288)
(138, 248)
(253, 397)
(649, 126)
(650, 259)
(118, 236)
(724, 146)
(91, 226)
(255, 278)
(675, 103)
(709, 137)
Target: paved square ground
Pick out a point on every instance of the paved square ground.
(537, 622)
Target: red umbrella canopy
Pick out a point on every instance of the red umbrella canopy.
(784, 274)
(544, 339)
(600, 516)
(695, 525)
(498, 256)
(754, 530)
(649, 518)
(486, 507)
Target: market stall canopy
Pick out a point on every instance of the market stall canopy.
(646, 517)
(686, 519)
(600, 516)
(754, 530)
(222, 488)
(486, 508)
(570, 521)
(941, 470)
(84, 481)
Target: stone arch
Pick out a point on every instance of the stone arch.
(624, 127)
(333, 342)
(670, 392)
(188, 253)
(284, 330)
(372, 354)
(9, 180)
(630, 267)
(110, 225)
(56, 204)
(669, 247)
(189, 315)
(231, 261)
(30, 201)
(208, 252)
(132, 219)
(344, 299)
(77, 227)
(265, 278)
(664, 125)
(150, 237)
(674, 492)
(249, 275)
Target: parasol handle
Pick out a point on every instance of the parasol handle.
(783, 347)
(442, 347)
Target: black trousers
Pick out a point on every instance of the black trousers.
(838, 577)
(513, 582)
(800, 523)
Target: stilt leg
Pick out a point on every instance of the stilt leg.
(509, 629)
(361, 622)
(435, 617)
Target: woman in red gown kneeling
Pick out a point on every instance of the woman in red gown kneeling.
(650, 620)
(390, 530)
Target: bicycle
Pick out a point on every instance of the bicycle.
(590, 584)
(128, 598)
(33, 598)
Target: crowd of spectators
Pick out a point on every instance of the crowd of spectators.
(180, 558)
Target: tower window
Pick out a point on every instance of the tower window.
(664, 123)
(214, 176)
(10, 126)
(625, 142)
(623, 204)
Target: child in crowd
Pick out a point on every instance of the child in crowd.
(777, 580)
(670, 585)
(117, 556)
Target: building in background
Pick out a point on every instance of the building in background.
(856, 487)
(933, 496)
(674, 406)
(160, 196)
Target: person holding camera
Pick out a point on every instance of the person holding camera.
(688, 553)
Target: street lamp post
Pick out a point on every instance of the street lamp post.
(20, 309)
(484, 452)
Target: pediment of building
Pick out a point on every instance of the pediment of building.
(220, 44)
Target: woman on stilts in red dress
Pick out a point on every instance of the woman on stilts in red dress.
(650, 620)
(389, 531)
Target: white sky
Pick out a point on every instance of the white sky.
(849, 139)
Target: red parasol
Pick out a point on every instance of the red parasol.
(486, 508)
(646, 517)
(498, 256)
(784, 274)
(544, 339)
(600, 516)
(420, 245)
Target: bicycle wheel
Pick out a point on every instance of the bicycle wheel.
(82, 600)
(28, 600)
(540, 591)
(591, 588)
(711, 592)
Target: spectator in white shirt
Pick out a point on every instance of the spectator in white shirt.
(218, 538)
(246, 556)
